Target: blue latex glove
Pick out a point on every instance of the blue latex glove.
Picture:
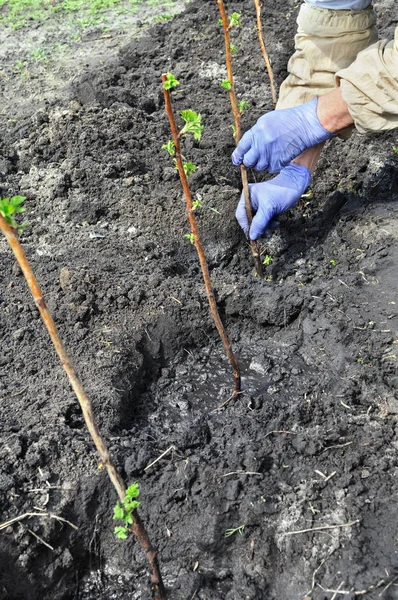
(279, 136)
(271, 198)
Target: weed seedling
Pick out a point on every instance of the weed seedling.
(194, 127)
(125, 511)
(268, 260)
(395, 149)
(229, 532)
(333, 262)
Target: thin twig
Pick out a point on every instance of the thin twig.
(236, 115)
(388, 586)
(159, 457)
(323, 528)
(198, 244)
(227, 401)
(338, 446)
(264, 52)
(137, 527)
(241, 473)
(40, 539)
(337, 591)
(319, 567)
(280, 431)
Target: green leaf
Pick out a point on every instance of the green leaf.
(133, 491)
(118, 512)
(171, 82)
(196, 204)
(189, 168)
(233, 48)
(193, 124)
(11, 206)
(242, 106)
(190, 237)
(170, 147)
(121, 532)
(234, 20)
(267, 260)
(130, 505)
(226, 84)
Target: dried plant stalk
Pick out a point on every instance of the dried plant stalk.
(237, 136)
(264, 51)
(198, 244)
(138, 527)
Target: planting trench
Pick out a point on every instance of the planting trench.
(313, 440)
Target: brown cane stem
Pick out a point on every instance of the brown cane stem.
(237, 136)
(198, 244)
(86, 405)
(264, 51)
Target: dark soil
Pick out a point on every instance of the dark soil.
(312, 442)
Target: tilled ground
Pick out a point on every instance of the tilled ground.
(313, 441)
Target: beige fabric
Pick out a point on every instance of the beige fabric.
(370, 87)
(326, 41)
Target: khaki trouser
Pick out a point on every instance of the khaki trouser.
(340, 47)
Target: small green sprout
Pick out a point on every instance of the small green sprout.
(190, 237)
(232, 531)
(219, 22)
(171, 82)
(124, 511)
(234, 20)
(233, 129)
(196, 204)
(242, 106)
(9, 207)
(170, 147)
(333, 262)
(268, 259)
(226, 84)
(395, 149)
(189, 168)
(233, 48)
(193, 123)
(215, 210)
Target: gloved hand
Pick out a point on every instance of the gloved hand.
(279, 136)
(271, 198)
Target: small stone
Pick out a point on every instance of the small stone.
(365, 474)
